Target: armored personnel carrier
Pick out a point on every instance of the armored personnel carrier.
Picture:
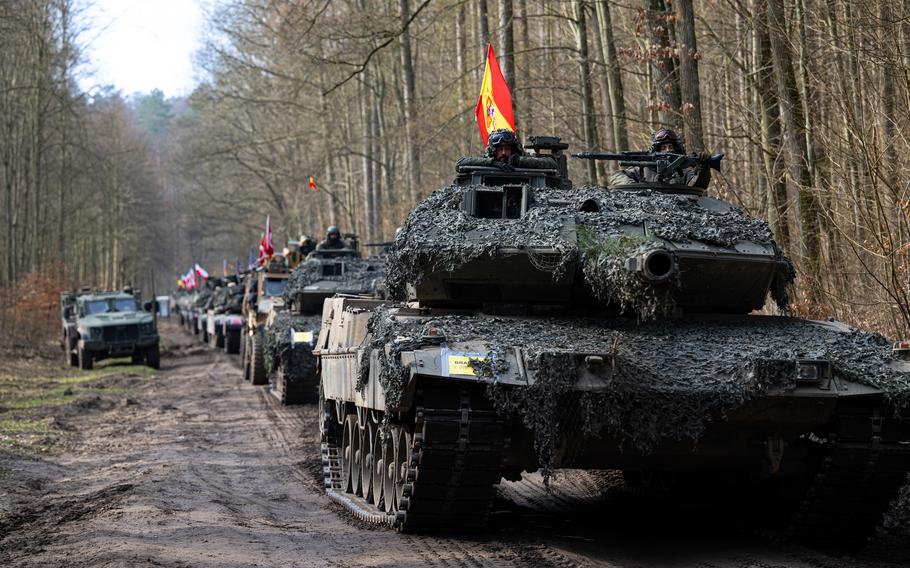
(291, 327)
(263, 292)
(100, 325)
(223, 321)
(608, 328)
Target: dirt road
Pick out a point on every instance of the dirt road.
(194, 467)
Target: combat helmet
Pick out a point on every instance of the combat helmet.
(665, 136)
(500, 137)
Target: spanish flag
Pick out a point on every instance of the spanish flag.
(494, 108)
(313, 183)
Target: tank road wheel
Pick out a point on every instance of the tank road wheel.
(368, 436)
(356, 457)
(378, 468)
(391, 467)
(85, 359)
(257, 361)
(402, 463)
(153, 356)
(350, 447)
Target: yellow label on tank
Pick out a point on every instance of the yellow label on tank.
(461, 364)
(303, 336)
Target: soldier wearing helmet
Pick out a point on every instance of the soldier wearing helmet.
(307, 245)
(504, 151)
(666, 141)
(332, 240)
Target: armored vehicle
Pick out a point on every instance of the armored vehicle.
(263, 291)
(609, 328)
(223, 321)
(291, 327)
(232, 322)
(100, 325)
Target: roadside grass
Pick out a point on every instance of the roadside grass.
(29, 405)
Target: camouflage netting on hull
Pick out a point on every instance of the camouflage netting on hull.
(670, 378)
(439, 236)
(299, 361)
(361, 276)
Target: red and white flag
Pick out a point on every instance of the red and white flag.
(201, 272)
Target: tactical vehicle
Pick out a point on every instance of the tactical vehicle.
(223, 314)
(100, 325)
(292, 326)
(609, 328)
(263, 290)
(232, 322)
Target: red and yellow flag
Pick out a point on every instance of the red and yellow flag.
(313, 183)
(494, 108)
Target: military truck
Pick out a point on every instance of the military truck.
(540, 326)
(263, 290)
(291, 327)
(101, 325)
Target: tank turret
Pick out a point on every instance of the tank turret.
(524, 236)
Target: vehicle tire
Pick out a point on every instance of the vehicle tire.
(245, 354)
(231, 343)
(153, 356)
(85, 359)
(205, 336)
(69, 346)
(218, 340)
(257, 360)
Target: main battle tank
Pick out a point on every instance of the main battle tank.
(292, 326)
(549, 327)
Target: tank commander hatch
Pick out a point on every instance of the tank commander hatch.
(666, 140)
(503, 151)
(332, 240)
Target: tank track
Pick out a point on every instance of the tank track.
(455, 460)
(851, 491)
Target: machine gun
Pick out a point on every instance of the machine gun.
(666, 164)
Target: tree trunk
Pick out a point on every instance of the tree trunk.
(410, 105)
(614, 76)
(587, 98)
(794, 135)
(688, 76)
(663, 65)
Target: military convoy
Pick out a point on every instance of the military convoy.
(101, 325)
(539, 327)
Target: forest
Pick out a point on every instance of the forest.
(808, 99)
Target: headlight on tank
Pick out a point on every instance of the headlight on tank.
(814, 373)
(95, 333)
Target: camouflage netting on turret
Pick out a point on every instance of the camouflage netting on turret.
(439, 236)
(670, 378)
(361, 276)
(299, 361)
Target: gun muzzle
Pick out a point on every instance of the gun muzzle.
(654, 266)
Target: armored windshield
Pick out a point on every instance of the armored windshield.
(275, 287)
(111, 305)
(96, 307)
(125, 305)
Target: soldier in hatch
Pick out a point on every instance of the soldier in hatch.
(307, 245)
(666, 141)
(332, 240)
(505, 152)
